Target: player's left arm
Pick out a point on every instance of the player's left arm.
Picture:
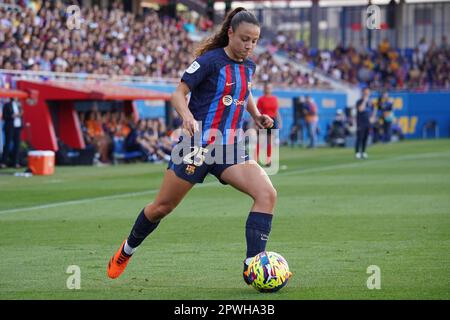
(261, 120)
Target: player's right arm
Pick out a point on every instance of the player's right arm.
(198, 71)
(179, 102)
(261, 120)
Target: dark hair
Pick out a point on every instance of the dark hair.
(220, 39)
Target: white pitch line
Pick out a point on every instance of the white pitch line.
(72, 202)
(357, 163)
(88, 200)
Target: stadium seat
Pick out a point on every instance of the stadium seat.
(120, 154)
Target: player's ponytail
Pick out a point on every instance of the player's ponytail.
(220, 39)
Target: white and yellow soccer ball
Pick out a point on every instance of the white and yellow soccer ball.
(268, 271)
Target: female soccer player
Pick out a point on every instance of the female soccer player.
(219, 81)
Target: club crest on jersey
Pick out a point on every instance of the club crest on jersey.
(190, 170)
(227, 100)
(193, 67)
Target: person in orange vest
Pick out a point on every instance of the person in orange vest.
(268, 105)
(312, 119)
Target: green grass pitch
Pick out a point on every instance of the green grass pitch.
(335, 217)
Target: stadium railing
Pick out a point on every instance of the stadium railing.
(49, 75)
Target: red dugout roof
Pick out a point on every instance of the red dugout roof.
(77, 90)
(48, 123)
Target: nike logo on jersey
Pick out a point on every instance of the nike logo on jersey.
(229, 84)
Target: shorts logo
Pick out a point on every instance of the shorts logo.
(190, 170)
(227, 100)
(193, 67)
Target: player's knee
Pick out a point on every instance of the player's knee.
(160, 210)
(272, 195)
(267, 197)
(165, 208)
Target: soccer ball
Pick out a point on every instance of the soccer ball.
(268, 271)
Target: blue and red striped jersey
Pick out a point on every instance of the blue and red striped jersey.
(219, 93)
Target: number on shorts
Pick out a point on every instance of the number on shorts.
(196, 157)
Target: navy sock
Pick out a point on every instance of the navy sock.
(141, 229)
(257, 231)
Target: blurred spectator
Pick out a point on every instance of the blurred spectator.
(88, 141)
(337, 130)
(150, 140)
(97, 135)
(365, 113)
(312, 119)
(122, 127)
(12, 117)
(397, 131)
(294, 135)
(386, 108)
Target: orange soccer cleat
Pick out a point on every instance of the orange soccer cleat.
(118, 263)
(246, 275)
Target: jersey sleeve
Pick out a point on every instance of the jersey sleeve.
(197, 72)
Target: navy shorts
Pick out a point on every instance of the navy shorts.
(193, 163)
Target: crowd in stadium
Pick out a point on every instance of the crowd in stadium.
(422, 68)
(284, 74)
(115, 42)
(111, 42)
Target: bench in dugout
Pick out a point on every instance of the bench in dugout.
(120, 154)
